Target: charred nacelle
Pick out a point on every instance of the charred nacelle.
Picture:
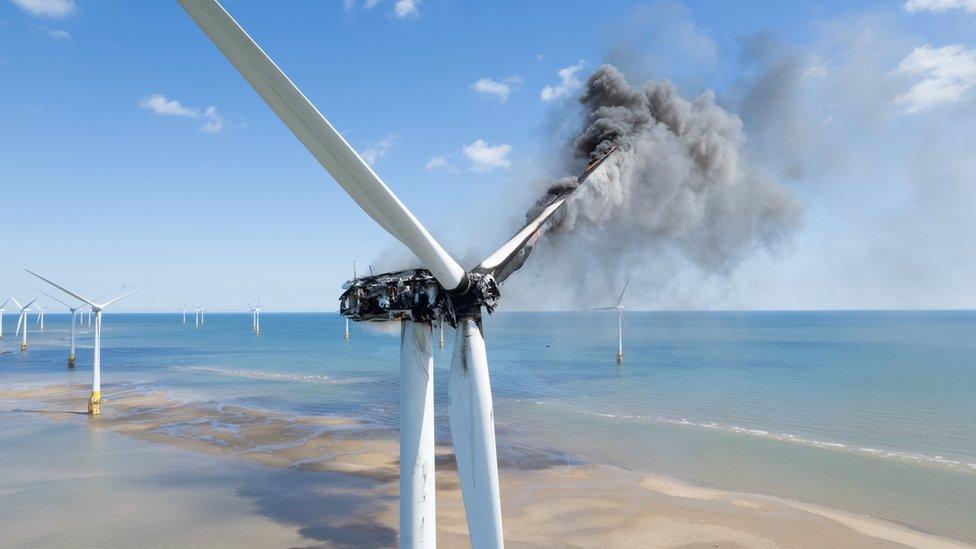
(414, 294)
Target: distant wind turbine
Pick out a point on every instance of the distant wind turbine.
(2, 310)
(620, 321)
(196, 317)
(74, 309)
(256, 317)
(95, 402)
(40, 316)
(183, 310)
(22, 322)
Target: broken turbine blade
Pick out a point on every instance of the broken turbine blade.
(512, 255)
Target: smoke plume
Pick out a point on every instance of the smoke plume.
(680, 190)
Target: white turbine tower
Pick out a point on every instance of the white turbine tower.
(95, 402)
(183, 310)
(196, 318)
(22, 322)
(74, 309)
(420, 297)
(40, 316)
(620, 321)
(2, 310)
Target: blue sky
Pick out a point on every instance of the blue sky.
(132, 153)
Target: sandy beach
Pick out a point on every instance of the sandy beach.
(332, 481)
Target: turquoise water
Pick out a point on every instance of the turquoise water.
(870, 412)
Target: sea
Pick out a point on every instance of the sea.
(871, 412)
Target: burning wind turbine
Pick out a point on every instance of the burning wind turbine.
(620, 321)
(95, 402)
(22, 322)
(417, 297)
(73, 309)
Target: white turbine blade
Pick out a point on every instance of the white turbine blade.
(472, 422)
(63, 289)
(17, 303)
(322, 140)
(54, 298)
(29, 304)
(20, 320)
(127, 294)
(621, 298)
(4, 304)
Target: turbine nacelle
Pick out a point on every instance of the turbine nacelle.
(416, 295)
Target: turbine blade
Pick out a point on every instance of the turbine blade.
(621, 298)
(20, 320)
(322, 140)
(4, 304)
(512, 255)
(17, 303)
(63, 289)
(127, 294)
(29, 304)
(54, 298)
(473, 432)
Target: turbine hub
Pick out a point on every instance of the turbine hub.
(414, 294)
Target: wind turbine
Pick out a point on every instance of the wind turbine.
(256, 317)
(95, 402)
(74, 309)
(196, 318)
(183, 310)
(620, 321)
(420, 296)
(2, 310)
(22, 322)
(40, 316)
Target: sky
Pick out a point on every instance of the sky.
(132, 153)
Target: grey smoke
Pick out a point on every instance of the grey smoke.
(680, 190)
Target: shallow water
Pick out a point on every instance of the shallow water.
(864, 411)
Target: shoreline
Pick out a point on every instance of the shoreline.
(545, 502)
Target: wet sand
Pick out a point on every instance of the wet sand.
(331, 481)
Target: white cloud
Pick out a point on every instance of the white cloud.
(348, 4)
(406, 8)
(568, 82)
(58, 34)
(939, 6)
(370, 4)
(379, 150)
(211, 120)
(439, 163)
(947, 74)
(485, 157)
(47, 8)
(500, 89)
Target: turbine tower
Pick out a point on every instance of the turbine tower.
(74, 309)
(620, 321)
(196, 318)
(95, 402)
(183, 310)
(418, 298)
(2, 310)
(22, 322)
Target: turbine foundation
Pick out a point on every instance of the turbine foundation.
(23, 347)
(71, 361)
(95, 403)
